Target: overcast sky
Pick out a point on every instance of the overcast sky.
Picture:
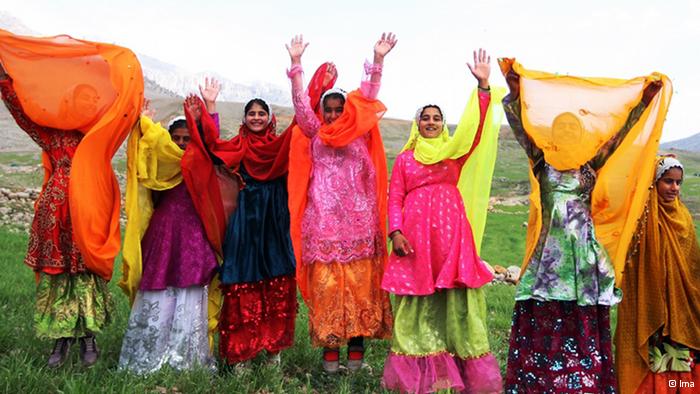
(244, 41)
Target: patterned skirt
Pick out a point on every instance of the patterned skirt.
(167, 327)
(560, 347)
(440, 343)
(71, 305)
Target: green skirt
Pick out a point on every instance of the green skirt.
(71, 305)
(452, 321)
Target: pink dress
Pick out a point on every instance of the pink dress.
(425, 204)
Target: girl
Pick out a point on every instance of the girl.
(338, 194)
(657, 340)
(440, 335)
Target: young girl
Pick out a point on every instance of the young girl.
(79, 120)
(168, 322)
(341, 189)
(560, 338)
(657, 340)
(440, 334)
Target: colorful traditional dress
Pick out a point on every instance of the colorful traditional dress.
(560, 339)
(342, 244)
(440, 338)
(71, 301)
(168, 322)
(657, 339)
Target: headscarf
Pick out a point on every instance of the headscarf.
(661, 286)
(43, 70)
(664, 164)
(475, 179)
(604, 105)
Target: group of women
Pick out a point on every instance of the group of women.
(221, 233)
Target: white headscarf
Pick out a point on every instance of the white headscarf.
(175, 119)
(666, 164)
(334, 91)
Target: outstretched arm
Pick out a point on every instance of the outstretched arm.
(511, 106)
(481, 70)
(39, 134)
(613, 143)
(370, 88)
(305, 116)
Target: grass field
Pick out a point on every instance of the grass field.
(23, 357)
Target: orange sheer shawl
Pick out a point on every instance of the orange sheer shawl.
(602, 105)
(46, 72)
(360, 119)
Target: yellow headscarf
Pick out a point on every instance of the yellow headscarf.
(475, 179)
(153, 163)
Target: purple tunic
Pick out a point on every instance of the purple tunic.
(176, 252)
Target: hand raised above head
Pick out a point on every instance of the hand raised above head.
(211, 89)
(650, 91)
(296, 48)
(481, 70)
(192, 105)
(147, 110)
(385, 44)
(331, 74)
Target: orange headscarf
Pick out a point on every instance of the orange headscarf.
(360, 119)
(44, 71)
(661, 288)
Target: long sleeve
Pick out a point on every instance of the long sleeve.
(397, 193)
(39, 134)
(484, 101)
(598, 161)
(512, 110)
(305, 116)
(369, 87)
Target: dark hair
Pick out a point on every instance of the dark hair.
(178, 124)
(259, 102)
(335, 96)
(431, 106)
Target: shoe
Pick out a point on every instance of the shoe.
(356, 356)
(331, 360)
(60, 352)
(88, 350)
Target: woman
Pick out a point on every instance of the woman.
(440, 334)
(79, 121)
(337, 202)
(168, 322)
(657, 340)
(560, 338)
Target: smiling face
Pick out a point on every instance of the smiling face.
(430, 122)
(669, 185)
(332, 107)
(567, 129)
(256, 118)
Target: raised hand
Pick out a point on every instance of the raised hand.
(296, 48)
(211, 90)
(384, 45)
(146, 110)
(650, 91)
(331, 74)
(481, 68)
(192, 106)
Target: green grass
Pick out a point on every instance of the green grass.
(23, 356)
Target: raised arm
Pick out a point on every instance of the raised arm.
(39, 134)
(481, 70)
(305, 116)
(613, 143)
(209, 93)
(511, 106)
(373, 72)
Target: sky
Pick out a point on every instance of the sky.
(244, 41)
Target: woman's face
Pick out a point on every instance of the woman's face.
(332, 109)
(567, 129)
(257, 118)
(669, 185)
(181, 137)
(430, 122)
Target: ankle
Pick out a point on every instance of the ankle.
(331, 354)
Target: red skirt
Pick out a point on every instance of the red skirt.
(560, 347)
(257, 316)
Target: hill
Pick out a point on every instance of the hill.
(691, 144)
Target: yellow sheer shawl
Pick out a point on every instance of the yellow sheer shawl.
(153, 163)
(602, 105)
(475, 179)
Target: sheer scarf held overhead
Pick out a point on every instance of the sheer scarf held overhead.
(661, 288)
(49, 75)
(360, 119)
(602, 106)
(475, 179)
